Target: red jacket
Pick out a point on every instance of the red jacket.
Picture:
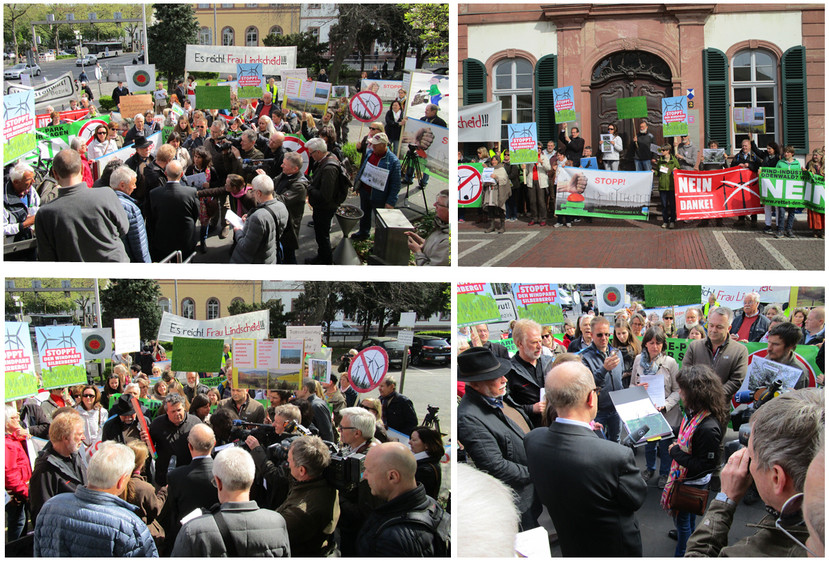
(18, 468)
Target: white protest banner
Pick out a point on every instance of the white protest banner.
(51, 92)
(407, 320)
(386, 89)
(253, 325)
(604, 194)
(140, 78)
(97, 343)
(480, 122)
(312, 335)
(223, 59)
(733, 296)
(405, 337)
(374, 176)
(127, 335)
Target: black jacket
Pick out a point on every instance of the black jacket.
(53, 474)
(292, 191)
(525, 387)
(387, 533)
(322, 418)
(171, 440)
(705, 449)
(573, 149)
(323, 188)
(497, 349)
(189, 487)
(399, 413)
(761, 325)
(171, 214)
(429, 475)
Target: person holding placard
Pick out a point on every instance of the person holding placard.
(611, 148)
(378, 181)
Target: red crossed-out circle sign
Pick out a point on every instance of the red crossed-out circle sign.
(366, 106)
(297, 145)
(470, 185)
(368, 369)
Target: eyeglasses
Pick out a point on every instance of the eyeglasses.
(545, 336)
(791, 507)
(597, 391)
(92, 395)
(348, 428)
(602, 335)
(101, 132)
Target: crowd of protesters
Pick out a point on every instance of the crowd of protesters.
(528, 191)
(126, 464)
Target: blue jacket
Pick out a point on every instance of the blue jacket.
(389, 195)
(607, 381)
(135, 240)
(90, 523)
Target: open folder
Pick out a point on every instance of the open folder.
(637, 410)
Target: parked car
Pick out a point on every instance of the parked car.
(565, 299)
(15, 71)
(86, 60)
(342, 328)
(392, 348)
(427, 349)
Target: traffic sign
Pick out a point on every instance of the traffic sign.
(470, 185)
(366, 106)
(368, 369)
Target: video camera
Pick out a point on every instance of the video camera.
(345, 471)
(265, 434)
(253, 165)
(224, 144)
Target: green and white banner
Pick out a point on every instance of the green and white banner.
(604, 194)
(793, 189)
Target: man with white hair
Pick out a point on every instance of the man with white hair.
(20, 203)
(749, 325)
(94, 521)
(258, 240)
(172, 213)
(139, 128)
(193, 387)
(236, 527)
(123, 181)
(323, 197)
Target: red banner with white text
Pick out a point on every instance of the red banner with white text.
(716, 194)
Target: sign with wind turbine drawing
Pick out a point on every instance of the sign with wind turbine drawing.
(716, 194)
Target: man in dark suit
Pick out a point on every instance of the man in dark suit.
(591, 486)
(491, 427)
(497, 349)
(529, 367)
(322, 415)
(171, 216)
(191, 486)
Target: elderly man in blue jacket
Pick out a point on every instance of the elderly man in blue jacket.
(378, 181)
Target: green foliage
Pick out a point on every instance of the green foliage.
(175, 28)
(309, 53)
(657, 295)
(442, 334)
(476, 308)
(106, 103)
(278, 318)
(63, 57)
(133, 298)
(349, 150)
(431, 23)
(202, 76)
(48, 302)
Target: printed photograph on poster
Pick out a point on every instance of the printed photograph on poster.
(320, 370)
(425, 88)
(431, 144)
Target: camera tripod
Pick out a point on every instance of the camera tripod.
(412, 163)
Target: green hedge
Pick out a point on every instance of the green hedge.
(443, 334)
(106, 103)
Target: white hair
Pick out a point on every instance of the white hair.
(263, 184)
(138, 116)
(488, 510)
(75, 143)
(235, 468)
(362, 419)
(122, 174)
(19, 170)
(111, 462)
(132, 386)
(316, 144)
(10, 412)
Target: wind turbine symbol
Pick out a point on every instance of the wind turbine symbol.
(740, 188)
(13, 340)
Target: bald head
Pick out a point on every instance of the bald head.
(390, 470)
(201, 439)
(173, 170)
(569, 388)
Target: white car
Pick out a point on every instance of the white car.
(15, 71)
(86, 60)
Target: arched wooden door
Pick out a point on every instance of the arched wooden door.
(629, 74)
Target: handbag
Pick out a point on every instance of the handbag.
(687, 498)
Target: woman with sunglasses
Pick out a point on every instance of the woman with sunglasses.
(610, 160)
(101, 143)
(376, 409)
(93, 414)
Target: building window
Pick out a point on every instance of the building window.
(754, 84)
(513, 85)
(203, 6)
(275, 30)
(227, 37)
(212, 308)
(252, 37)
(226, 5)
(237, 300)
(164, 304)
(315, 33)
(314, 6)
(188, 308)
(205, 36)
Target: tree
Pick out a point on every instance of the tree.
(133, 298)
(278, 319)
(431, 23)
(49, 302)
(309, 53)
(176, 28)
(354, 21)
(13, 13)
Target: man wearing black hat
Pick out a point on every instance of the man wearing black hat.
(491, 427)
(124, 426)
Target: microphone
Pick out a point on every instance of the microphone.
(745, 396)
(636, 436)
(241, 422)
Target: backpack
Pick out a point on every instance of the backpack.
(344, 183)
(434, 519)
(280, 256)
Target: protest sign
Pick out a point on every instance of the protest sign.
(366, 106)
(733, 296)
(793, 189)
(749, 120)
(425, 88)
(267, 364)
(127, 335)
(564, 104)
(713, 156)
(716, 193)
(308, 96)
(480, 122)
(470, 185)
(589, 163)
(69, 116)
(253, 324)
(606, 143)
(20, 378)
(212, 97)
(320, 370)
(538, 302)
(368, 369)
(124, 153)
(386, 89)
(191, 354)
(51, 92)
(605, 194)
(476, 304)
(432, 143)
(610, 297)
(61, 356)
(675, 116)
(310, 334)
(53, 139)
(523, 143)
(632, 107)
(375, 177)
(225, 58)
(250, 81)
(294, 143)
(130, 105)
(762, 373)
(299, 73)
(18, 125)
(97, 343)
(140, 78)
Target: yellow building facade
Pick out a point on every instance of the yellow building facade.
(202, 300)
(245, 24)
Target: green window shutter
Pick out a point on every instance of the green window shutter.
(715, 74)
(546, 78)
(795, 110)
(474, 81)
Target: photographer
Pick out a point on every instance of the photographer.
(311, 510)
(271, 464)
(247, 151)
